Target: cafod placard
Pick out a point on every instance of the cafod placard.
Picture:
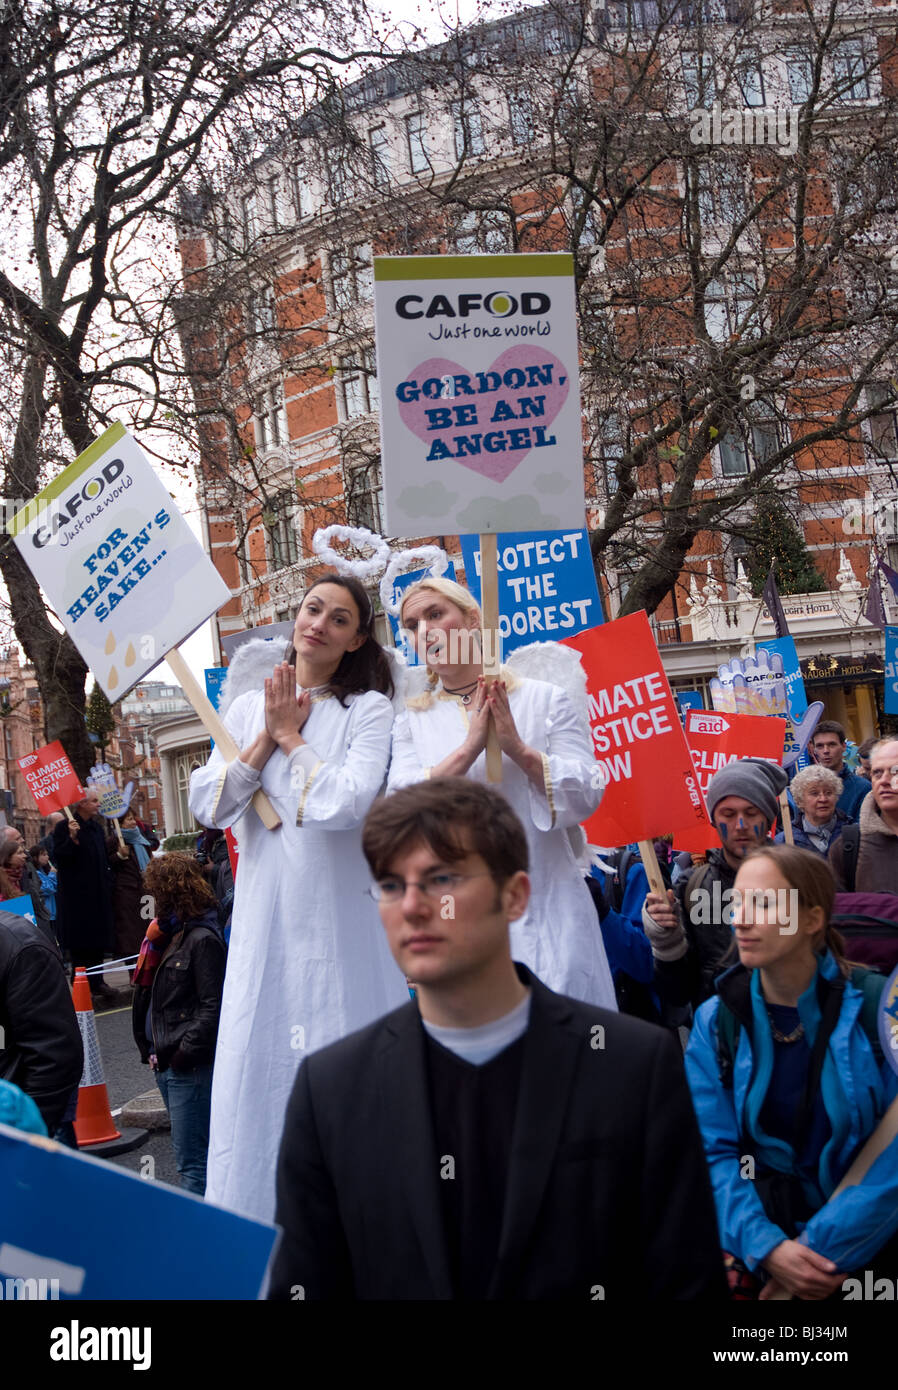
(480, 399)
(117, 561)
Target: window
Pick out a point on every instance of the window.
(248, 219)
(698, 75)
(262, 311)
(751, 83)
(884, 424)
(482, 232)
(521, 117)
(185, 764)
(800, 71)
(727, 306)
(379, 143)
(301, 194)
(721, 194)
(359, 383)
(468, 125)
(586, 217)
(849, 71)
(270, 418)
(337, 176)
(363, 496)
(755, 442)
(273, 187)
(612, 445)
(351, 277)
(416, 134)
(280, 531)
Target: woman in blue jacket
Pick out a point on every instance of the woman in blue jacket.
(788, 1083)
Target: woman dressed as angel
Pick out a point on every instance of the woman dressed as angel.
(549, 776)
(308, 961)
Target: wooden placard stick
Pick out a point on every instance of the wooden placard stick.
(652, 868)
(489, 594)
(118, 830)
(878, 1142)
(68, 813)
(787, 818)
(214, 724)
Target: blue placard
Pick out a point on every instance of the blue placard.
(891, 691)
(400, 584)
(177, 1246)
(689, 699)
(547, 585)
(22, 907)
(798, 700)
(215, 679)
(888, 1017)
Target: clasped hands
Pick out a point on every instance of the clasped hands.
(491, 702)
(285, 711)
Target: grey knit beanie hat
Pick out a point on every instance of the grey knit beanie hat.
(755, 779)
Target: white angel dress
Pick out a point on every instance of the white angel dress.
(560, 936)
(308, 960)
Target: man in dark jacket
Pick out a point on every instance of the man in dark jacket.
(84, 895)
(492, 1140)
(40, 1042)
(692, 932)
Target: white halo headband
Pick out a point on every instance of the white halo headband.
(431, 556)
(359, 536)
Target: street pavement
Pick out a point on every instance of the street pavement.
(127, 1077)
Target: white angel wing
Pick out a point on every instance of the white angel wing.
(408, 681)
(550, 661)
(251, 663)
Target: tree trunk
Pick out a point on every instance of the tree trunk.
(657, 576)
(60, 669)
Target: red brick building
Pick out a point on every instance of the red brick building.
(735, 316)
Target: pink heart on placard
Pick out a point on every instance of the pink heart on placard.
(523, 390)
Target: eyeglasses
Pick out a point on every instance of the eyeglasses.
(435, 885)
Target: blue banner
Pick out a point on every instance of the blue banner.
(215, 678)
(547, 585)
(22, 907)
(689, 699)
(400, 584)
(891, 691)
(798, 700)
(172, 1245)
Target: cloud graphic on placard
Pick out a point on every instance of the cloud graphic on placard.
(552, 482)
(424, 501)
(521, 513)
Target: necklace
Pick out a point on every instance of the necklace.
(464, 692)
(785, 1037)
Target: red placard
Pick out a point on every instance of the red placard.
(716, 739)
(651, 786)
(51, 778)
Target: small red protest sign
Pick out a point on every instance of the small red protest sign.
(51, 778)
(716, 739)
(650, 782)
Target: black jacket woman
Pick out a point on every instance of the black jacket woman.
(177, 1001)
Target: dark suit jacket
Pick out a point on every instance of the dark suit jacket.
(608, 1193)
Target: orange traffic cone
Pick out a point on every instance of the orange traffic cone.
(93, 1123)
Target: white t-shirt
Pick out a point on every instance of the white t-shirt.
(482, 1044)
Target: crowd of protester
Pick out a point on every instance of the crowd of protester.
(321, 1067)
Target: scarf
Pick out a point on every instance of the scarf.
(153, 948)
(15, 875)
(132, 836)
